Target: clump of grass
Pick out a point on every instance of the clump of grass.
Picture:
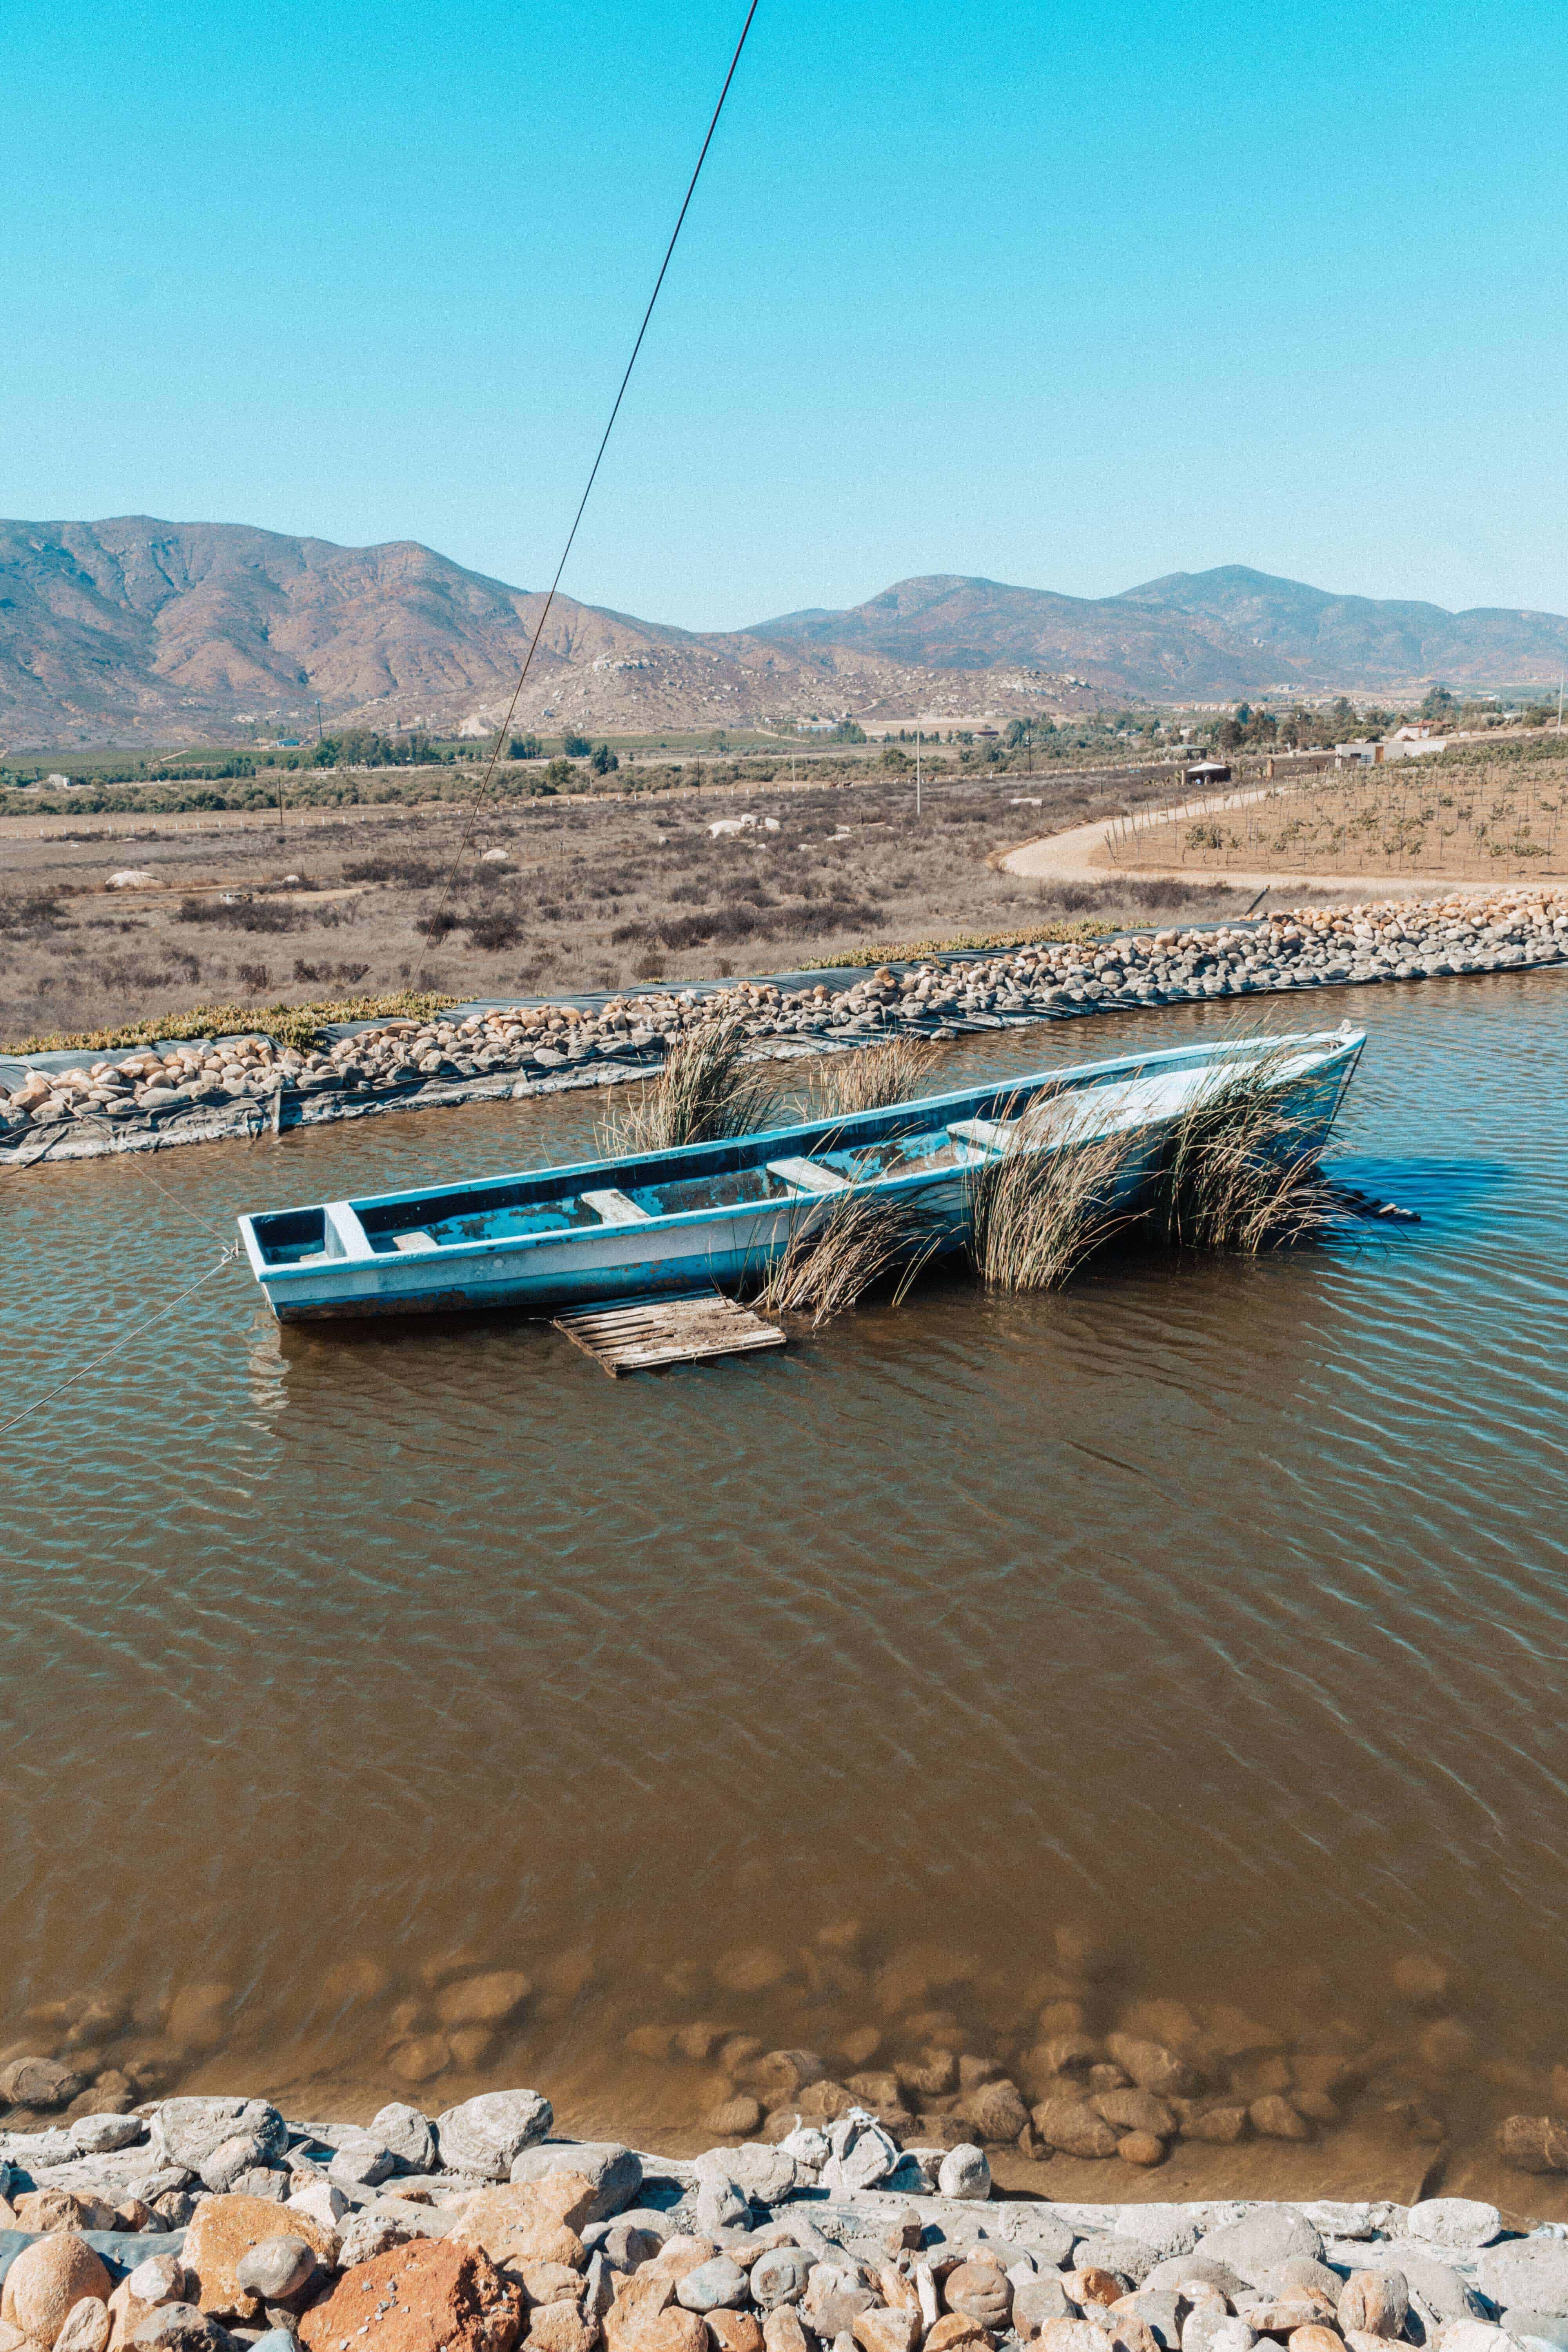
(875, 952)
(871, 1077)
(706, 1091)
(1237, 1175)
(1045, 1202)
(853, 1240)
(287, 1024)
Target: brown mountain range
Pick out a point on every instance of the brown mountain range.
(136, 630)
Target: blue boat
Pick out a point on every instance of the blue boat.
(715, 1214)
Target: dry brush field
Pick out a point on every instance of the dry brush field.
(584, 893)
(1466, 816)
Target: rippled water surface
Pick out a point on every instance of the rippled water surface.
(1217, 1606)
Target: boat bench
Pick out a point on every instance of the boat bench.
(613, 1208)
(808, 1176)
(995, 1134)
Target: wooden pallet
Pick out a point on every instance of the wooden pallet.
(636, 1333)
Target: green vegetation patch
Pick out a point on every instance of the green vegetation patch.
(299, 1025)
(962, 942)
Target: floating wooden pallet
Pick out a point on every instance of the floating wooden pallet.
(636, 1333)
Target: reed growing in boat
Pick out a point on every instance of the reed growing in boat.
(1034, 1214)
(858, 1238)
(705, 1091)
(1238, 1172)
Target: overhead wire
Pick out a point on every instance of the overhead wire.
(431, 928)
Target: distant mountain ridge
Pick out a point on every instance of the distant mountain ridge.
(1221, 633)
(140, 630)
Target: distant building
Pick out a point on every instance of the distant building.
(1205, 772)
(1414, 741)
(1360, 754)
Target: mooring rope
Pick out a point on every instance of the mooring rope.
(504, 730)
(119, 1346)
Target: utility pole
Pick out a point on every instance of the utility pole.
(1560, 702)
(917, 772)
(317, 718)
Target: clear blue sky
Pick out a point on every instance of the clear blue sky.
(1063, 294)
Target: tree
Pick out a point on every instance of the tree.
(604, 762)
(1437, 703)
(525, 747)
(560, 773)
(847, 731)
(576, 747)
(896, 759)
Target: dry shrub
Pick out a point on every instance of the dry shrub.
(705, 1092)
(854, 1239)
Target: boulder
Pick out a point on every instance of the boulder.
(407, 2133)
(782, 2331)
(1038, 2300)
(614, 2174)
(63, 2209)
(1136, 2111)
(734, 2331)
(361, 2160)
(47, 2279)
(980, 2291)
(1118, 2251)
(1531, 2271)
(1261, 2240)
(39, 2083)
(185, 2132)
(513, 2225)
(1374, 2302)
(274, 2269)
(780, 2277)
(719, 2284)
(954, 2333)
(996, 2111)
(888, 2331)
(1460, 2224)
(863, 2156)
(493, 2000)
(1073, 2336)
(485, 2135)
(1275, 2118)
(561, 2326)
(180, 2327)
(431, 2295)
(101, 2134)
(1151, 2065)
(87, 2329)
(1534, 2143)
(223, 2230)
(1074, 2128)
(964, 2173)
(1209, 2327)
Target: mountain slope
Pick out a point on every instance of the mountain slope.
(140, 630)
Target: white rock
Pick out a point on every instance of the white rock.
(484, 2135)
(1456, 2222)
(964, 2173)
(322, 2201)
(98, 2135)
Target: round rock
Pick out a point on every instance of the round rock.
(716, 2285)
(1457, 2223)
(780, 2277)
(964, 2173)
(276, 2268)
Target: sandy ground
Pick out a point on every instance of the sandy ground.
(1081, 855)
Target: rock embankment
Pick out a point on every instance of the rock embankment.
(199, 2224)
(186, 1093)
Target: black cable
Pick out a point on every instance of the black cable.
(431, 929)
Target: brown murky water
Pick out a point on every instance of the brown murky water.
(1216, 1609)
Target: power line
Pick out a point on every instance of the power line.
(431, 929)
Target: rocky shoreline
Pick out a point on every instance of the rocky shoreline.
(201, 2224)
(150, 1097)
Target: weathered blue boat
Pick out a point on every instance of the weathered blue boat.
(715, 1214)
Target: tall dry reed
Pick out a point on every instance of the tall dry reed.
(706, 1091)
(854, 1239)
(870, 1077)
(1035, 1213)
(1238, 1173)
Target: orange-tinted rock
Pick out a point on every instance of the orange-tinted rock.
(87, 2329)
(430, 2295)
(63, 2209)
(47, 2279)
(888, 2331)
(642, 2297)
(1534, 2143)
(1091, 2288)
(1315, 2338)
(1140, 2148)
(980, 2291)
(1072, 2335)
(734, 2331)
(515, 2225)
(570, 2196)
(953, 2330)
(674, 2330)
(561, 2327)
(223, 2228)
(782, 2331)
